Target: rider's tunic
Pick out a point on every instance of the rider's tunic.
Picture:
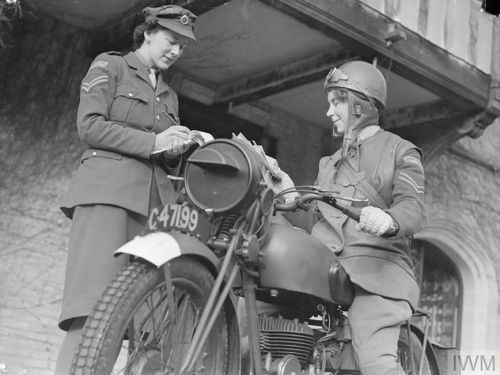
(117, 181)
(392, 166)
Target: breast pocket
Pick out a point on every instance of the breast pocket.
(129, 102)
(171, 113)
(166, 115)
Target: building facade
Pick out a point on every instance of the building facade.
(258, 68)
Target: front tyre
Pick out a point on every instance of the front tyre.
(133, 330)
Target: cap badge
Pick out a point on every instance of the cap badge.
(184, 20)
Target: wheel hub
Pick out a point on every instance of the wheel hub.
(148, 364)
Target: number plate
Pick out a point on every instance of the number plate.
(181, 218)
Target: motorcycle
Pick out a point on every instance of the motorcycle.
(173, 309)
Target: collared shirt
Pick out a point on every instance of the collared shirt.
(153, 73)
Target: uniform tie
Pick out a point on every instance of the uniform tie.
(152, 76)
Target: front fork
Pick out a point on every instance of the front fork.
(216, 300)
(252, 323)
(212, 308)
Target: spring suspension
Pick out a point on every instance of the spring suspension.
(226, 226)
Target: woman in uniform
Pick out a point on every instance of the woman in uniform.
(385, 169)
(128, 122)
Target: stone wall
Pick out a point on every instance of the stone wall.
(40, 77)
(468, 194)
(465, 196)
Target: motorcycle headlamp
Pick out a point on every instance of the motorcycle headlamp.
(222, 176)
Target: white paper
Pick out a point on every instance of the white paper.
(195, 136)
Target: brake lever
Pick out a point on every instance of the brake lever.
(335, 194)
(362, 202)
(353, 212)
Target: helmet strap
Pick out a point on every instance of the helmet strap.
(357, 110)
(364, 113)
(348, 134)
(361, 113)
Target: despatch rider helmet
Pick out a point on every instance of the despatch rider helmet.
(361, 77)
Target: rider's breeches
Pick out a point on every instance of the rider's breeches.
(375, 326)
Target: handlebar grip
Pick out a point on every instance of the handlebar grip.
(353, 212)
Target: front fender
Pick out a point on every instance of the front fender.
(160, 247)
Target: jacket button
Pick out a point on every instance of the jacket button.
(157, 117)
(157, 99)
(130, 94)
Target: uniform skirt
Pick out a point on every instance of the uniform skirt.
(96, 232)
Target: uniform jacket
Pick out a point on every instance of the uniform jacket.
(119, 113)
(392, 166)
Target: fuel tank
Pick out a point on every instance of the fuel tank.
(295, 261)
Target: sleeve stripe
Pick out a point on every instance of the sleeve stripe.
(99, 63)
(413, 160)
(405, 178)
(95, 79)
(95, 83)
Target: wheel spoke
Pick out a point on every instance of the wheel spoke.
(181, 336)
(161, 331)
(157, 329)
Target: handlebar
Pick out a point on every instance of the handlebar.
(304, 200)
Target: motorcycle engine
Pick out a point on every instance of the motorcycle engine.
(284, 337)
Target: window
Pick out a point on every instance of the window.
(440, 291)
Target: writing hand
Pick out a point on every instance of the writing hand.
(174, 141)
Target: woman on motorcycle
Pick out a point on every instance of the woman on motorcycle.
(128, 121)
(379, 166)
